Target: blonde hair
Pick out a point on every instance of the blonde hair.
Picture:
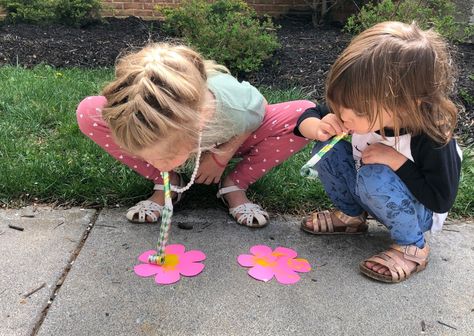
(158, 93)
(401, 69)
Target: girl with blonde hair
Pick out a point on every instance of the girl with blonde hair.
(390, 89)
(167, 105)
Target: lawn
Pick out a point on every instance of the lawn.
(44, 157)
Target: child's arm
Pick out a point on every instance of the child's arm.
(318, 123)
(383, 154)
(433, 177)
(213, 164)
(228, 149)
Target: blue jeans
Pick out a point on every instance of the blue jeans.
(374, 188)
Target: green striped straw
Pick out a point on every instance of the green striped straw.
(166, 215)
(308, 170)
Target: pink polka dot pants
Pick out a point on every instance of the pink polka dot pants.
(270, 145)
(89, 118)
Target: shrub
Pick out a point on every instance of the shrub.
(33, 11)
(78, 12)
(437, 14)
(227, 31)
(71, 12)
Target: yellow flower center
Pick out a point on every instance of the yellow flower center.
(171, 260)
(263, 261)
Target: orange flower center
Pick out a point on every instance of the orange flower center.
(297, 264)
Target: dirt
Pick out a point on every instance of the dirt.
(303, 60)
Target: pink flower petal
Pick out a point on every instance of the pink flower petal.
(299, 265)
(193, 256)
(284, 251)
(246, 260)
(175, 249)
(286, 276)
(145, 270)
(166, 277)
(144, 256)
(190, 269)
(261, 273)
(260, 250)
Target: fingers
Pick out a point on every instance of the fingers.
(336, 123)
(330, 125)
(198, 179)
(367, 155)
(204, 179)
(327, 128)
(322, 136)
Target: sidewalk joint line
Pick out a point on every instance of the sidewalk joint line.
(65, 272)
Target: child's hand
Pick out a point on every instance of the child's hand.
(383, 154)
(330, 126)
(209, 170)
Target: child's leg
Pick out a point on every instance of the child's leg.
(388, 199)
(271, 144)
(89, 118)
(338, 176)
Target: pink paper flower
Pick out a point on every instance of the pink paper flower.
(281, 263)
(177, 262)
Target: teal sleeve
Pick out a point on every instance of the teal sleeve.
(240, 102)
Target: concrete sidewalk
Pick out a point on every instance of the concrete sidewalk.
(80, 262)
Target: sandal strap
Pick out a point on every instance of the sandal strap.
(322, 221)
(162, 187)
(397, 265)
(397, 272)
(246, 213)
(143, 209)
(413, 253)
(351, 221)
(226, 190)
(179, 195)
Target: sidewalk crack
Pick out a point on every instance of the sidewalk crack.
(65, 273)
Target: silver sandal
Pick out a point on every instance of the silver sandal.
(148, 208)
(248, 214)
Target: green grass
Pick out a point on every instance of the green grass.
(45, 158)
(464, 205)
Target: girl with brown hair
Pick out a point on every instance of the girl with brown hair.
(389, 89)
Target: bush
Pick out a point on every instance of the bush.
(437, 14)
(227, 31)
(78, 12)
(32, 11)
(71, 12)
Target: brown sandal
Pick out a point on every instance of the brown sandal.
(396, 265)
(321, 223)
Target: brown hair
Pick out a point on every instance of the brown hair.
(158, 93)
(401, 69)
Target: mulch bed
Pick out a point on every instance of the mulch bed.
(304, 59)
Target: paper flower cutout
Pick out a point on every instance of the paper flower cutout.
(177, 262)
(281, 263)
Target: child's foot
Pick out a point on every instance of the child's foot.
(334, 222)
(149, 211)
(240, 207)
(396, 264)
